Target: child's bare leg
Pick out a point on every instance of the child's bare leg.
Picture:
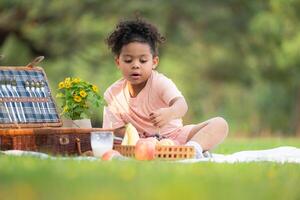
(209, 133)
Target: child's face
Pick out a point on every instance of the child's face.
(136, 62)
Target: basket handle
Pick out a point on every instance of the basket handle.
(35, 61)
(78, 146)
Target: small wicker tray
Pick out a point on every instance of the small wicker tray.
(161, 152)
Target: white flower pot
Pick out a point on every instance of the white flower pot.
(80, 123)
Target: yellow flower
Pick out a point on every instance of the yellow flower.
(68, 85)
(76, 80)
(66, 108)
(95, 88)
(61, 85)
(67, 79)
(68, 82)
(83, 93)
(77, 98)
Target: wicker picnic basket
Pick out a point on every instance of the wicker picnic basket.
(29, 118)
(161, 152)
(62, 141)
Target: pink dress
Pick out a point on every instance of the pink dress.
(157, 93)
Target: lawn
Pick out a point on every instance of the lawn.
(33, 178)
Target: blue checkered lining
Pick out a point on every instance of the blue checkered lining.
(26, 112)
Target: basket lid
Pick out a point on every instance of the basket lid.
(25, 97)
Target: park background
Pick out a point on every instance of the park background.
(237, 59)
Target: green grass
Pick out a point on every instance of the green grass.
(33, 178)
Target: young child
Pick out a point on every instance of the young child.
(146, 98)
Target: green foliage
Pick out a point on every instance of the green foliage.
(229, 58)
(11, 45)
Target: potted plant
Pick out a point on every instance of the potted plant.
(78, 99)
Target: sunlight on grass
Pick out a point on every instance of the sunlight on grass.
(34, 178)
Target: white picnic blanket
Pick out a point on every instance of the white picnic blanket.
(284, 154)
(44, 155)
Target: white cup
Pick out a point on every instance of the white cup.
(101, 141)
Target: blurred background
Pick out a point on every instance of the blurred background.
(237, 59)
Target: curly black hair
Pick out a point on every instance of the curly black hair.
(136, 30)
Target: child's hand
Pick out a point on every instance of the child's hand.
(161, 117)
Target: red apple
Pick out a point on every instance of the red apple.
(110, 154)
(145, 149)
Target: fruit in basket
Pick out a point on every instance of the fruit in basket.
(166, 142)
(110, 154)
(145, 149)
(131, 135)
(152, 139)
